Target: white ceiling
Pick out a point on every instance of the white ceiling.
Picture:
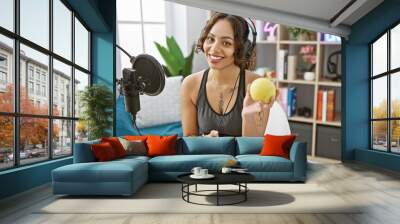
(311, 14)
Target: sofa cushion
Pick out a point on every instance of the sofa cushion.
(161, 145)
(257, 163)
(116, 145)
(136, 137)
(111, 171)
(207, 145)
(275, 145)
(131, 158)
(103, 151)
(249, 145)
(185, 163)
(134, 147)
(83, 152)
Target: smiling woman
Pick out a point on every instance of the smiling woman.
(215, 101)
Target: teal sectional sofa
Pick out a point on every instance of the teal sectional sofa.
(125, 176)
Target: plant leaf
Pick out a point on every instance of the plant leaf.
(166, 71)
(97, 103)
(171, 63)
(175, 50)
(187, 68)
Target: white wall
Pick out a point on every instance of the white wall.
(185, 24)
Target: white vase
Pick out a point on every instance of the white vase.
(309, 76)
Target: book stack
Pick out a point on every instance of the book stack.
(287, 100)
(326, 105)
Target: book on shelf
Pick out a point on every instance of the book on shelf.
(324, 99)
(330, 105)
(326, 105)
(319, 104)
(287, 100)
(280, 64)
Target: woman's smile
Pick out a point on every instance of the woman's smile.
(215, 58)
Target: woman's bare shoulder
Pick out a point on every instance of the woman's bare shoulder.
(193, 79)
(191, 85)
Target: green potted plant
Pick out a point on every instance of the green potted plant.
(296, 33)
(176, 63)
(97, 103)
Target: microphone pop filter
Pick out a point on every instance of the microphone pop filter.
(151, 76)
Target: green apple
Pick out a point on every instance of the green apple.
(262, 89)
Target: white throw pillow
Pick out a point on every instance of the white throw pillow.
(161, 109)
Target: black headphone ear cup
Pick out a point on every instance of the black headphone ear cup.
(247, 46)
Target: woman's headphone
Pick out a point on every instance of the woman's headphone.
(250, 45)
(247, 45)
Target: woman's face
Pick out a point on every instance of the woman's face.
(219, 45)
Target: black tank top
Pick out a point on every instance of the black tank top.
(229, 124)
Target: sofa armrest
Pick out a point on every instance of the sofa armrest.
(298, 155)
(83, 152)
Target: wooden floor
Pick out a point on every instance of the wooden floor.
(378, 189)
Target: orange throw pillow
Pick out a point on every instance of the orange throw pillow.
(135, 138)
(161, 145)
(103, 151)
(116, 145)
(277, 145)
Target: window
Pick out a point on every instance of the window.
(53, 125)
(38, 89)
(81, 45)
(30, 72)
(43, 90)
(3, 71)
(385, 97)
(139, 24)
(3, 78)
(62, 74)
(7, 89)
(62, 30)
(37, 75)
(3, 61)
(7, 14)
(34, 22)
(30, 87)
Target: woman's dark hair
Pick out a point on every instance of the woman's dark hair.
(241, 32)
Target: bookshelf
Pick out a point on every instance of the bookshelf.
(315, 131)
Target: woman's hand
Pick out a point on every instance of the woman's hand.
(251, 107)
(213, 133)
(255, 115)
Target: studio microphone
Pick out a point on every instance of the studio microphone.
(130, 89)
(145, 77)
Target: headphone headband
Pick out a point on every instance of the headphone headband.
(253, 30)
(254, 34)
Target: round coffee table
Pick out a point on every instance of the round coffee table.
(238, 179)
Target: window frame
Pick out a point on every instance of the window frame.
(16, 115)
(388, 74)
(142, 24)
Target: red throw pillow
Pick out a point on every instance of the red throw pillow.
(161, 145)
(116, 145)
(277, 145)
(103, 151)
